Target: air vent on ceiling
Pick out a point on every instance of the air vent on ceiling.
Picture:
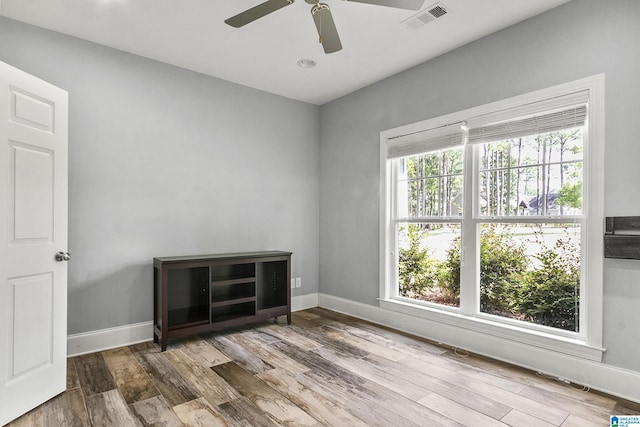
(425, 16)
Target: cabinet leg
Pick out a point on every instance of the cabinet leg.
(288, 318)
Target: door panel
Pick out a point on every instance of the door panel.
(33, 318)
(33, 228)
(31, 110)
(31, 168)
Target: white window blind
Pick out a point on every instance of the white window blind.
(559, 113)
(426, 141)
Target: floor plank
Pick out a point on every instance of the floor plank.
(109, 409)
(399, 341)
(373, 411)
(302, 321)
(530, 378)
(207, 383)
(363, 344)
(325, 340)
(93, 374)
(401, 406)
(585, 409)
(516, 418)
(342, 396)
(155, 412)
(313, 403)
(576, 421)
(333, 373)
(147, 347)
(203, 353)
(624, 407)
(372, 373)
(242, 412)
(66, 409)
(460, 368)
(239, 354)
(132, 381)
(199, 413)
(72, 374)
(458, 412)
(290, 336)
(166, 378)
(449, 388)
(483, 387)
(264, 397)
(252, 342)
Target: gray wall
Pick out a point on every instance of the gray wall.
(163, 161)
(578, 39)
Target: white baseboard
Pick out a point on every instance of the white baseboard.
(105, 339)
(598, 376)
(304, 302)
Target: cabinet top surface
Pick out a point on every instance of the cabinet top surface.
(235, 255)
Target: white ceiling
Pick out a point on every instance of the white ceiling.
(263, 54)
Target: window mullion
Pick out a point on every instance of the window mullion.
(470, 254)
(392, 279)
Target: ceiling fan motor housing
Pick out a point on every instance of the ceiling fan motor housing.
(318, 7)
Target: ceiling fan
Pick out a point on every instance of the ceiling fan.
(321, 16)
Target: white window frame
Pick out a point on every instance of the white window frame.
(588, 342)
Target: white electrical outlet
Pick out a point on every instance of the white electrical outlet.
(293, 283)
(298, 282)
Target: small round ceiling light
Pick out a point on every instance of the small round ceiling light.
(306, 63)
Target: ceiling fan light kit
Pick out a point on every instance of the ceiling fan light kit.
(321, 13)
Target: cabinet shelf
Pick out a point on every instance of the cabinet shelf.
(222, 273)
(210, 292)
(233, 301)
(233, 291)
(233, 281)
(233, 311)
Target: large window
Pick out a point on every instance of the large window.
(490, 214)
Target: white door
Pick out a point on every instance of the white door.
(33, 228)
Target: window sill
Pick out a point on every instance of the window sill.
(570, 346)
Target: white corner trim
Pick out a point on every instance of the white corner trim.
(599, 376)
(105, 339)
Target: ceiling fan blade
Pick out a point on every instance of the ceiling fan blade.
(326, 28)
(257, 12)
(399, 4)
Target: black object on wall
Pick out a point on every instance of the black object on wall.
(622, 237)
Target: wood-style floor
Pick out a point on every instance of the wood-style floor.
(325, 369)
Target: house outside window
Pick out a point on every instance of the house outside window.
(493, 216)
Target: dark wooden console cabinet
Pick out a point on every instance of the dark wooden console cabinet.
(211, 292)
